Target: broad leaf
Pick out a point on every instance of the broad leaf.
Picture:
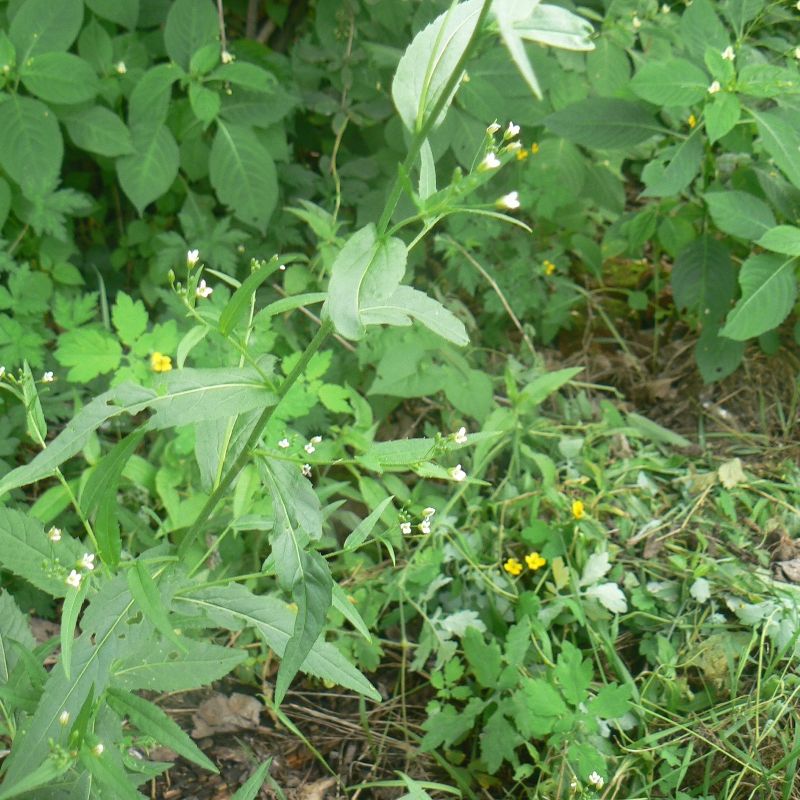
(100, 131)
(781, 139)
(716, 356)
(190, 25)
(721, 115)
(123, 12)
(677, 168)
(740, 214)
(704, 278)
(782, 239)
(88, 352)
(13, 628)
(555, 26)
(148, 104)
(149, 171)
(676, 82)
(43, 26)
(60, 78)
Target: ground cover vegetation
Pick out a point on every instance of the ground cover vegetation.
(318, 325)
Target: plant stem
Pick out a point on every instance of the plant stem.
(258, 429)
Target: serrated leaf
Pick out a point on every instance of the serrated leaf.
(573, 673)
(704, 278)
(243, 174)
(44, 774)
(191, 24)
(485, 659)
(148, 104)
(716, 356)
(675, 82)
(508, 12)
(99, 130)
(596, 566)
(700, 590)
(429, 62)
(123, 12)
(611, 702)
(88, 353)
(31, 147)
(610, 596)
(129, 317)
(73, 602)
(781, 140)
(149, 171)
(248, 76)
(60, 78)
(13, 628)
(42, 26)
(740, 213)
(541, 387)
(498, 742)
(782, 239)
(152, 721)
(769, 289)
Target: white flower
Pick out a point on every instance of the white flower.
(309, 448)
(728, 53)
(665, 9)
(87, 562)
(63, 718)
(74, 579)
(203, 290)
(283, 443)
(192, 257)
(596, 780)
(573, 785)
(54, 534)
(425, 526)
(490, 161)
(512, 147)
(493, 128)
(48, 377)
(458, 474)
(511, 131)
(509, 202)
(428, 512)
(2, 371)
(282, 267)
(796, 55)
(405, 528)
(460, 436)
(714, 88)
(226, 57)
(98, 749)
(316, 439)
(637, 23)
(121, 68)
(306, 470)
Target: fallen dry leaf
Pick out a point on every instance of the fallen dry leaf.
(221, 714)
(313, 791)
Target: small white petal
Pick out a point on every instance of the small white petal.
(74, 579)
(509, 202)
(226, 57)
(728, 53)
(460, 436)
(458, 474)
(490, 161)
(2, 371)
(63, 718)
(98, 749)
(121, 68)
(405, 528)
(714, 88)
(493, 128)
(48, 377)
(511, 131)
(309, 448)
(283, 443)
(54, 534)
(192, 257)
(306, 470)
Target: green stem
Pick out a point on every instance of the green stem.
(243, 457)
(422, 133)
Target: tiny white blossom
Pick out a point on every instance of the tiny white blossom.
(405, 528)
(490, 161)
(192, 257)
(665, 9)
(573, 785)
(74, 579)
(460, 436)
(458, 474)
(512, 147)
(509, 202)
(425, 526)
(2, 371)
(98, 749)
(511, 131)
(309, 448)
(728, 53)
(87, 562)
(282, 267)
(797, 53)
(306, 470)
(428, 512)
(316, 439)
(54, 534)
(596, 780)
(121, 68)
(63, 718)
(637, 23)
(493, 128)
(283, 443)
(203, 289)
(48, 377)
(714, 88)
(226, 57)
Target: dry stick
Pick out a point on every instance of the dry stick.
(266, 31)
(491, 281)
(222, 40)
(252, 19)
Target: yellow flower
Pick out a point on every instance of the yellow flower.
(692, 120)
(522, 154)
(160, 363)
(512, 566)
(534, 149)
(534, 561)
(549, 267)
(578, 509)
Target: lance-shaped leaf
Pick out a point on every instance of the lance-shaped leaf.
(13, 628)
(366, 272)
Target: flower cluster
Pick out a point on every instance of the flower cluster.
(85, 563)
(424, 526)
(533, 561)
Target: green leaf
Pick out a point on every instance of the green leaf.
(190, 25)
(248, 76)
(676, 169)
(152, 721)
(538, 705)
(13, 628)
(541, 387)
(782, 239)
(144, 591)
(430, 61)
(675, 82)
(704, 278)
(31, 147)
(608, 67)
(205, 103)
(721, 115)
(26, 551)
(148, 104)
(508, 12)
(250, 789)
(41, 776)
(129, 317)
(767, 80)
(71, 608)
(149, 171)
(485, 659)
(604, 123)
(60, 78)
(701, 28)
(243, 174)
(556, 27)
(448, 725)
(780, 138)
(42, 26)
(100, 131)
(716, 356)
(123, 12)
(239, 304)
(364, 528)
(109, 774)
(740, 214)
(234, 607)
(611, 701)
(769, 289)
(573, 673)
(88, 353)
(365, 272)
(498, 742)
(406, 304)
